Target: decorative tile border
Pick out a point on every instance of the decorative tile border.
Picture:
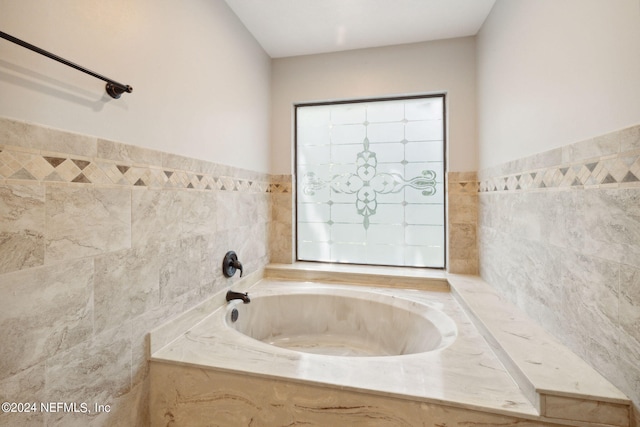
(614, 164)
(624, 169)
(17, 163)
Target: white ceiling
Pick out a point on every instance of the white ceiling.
(302, 27)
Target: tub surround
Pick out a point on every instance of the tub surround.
(464, 382)
(101, 242)
(210, 345)
(388, 277)
(558, 382)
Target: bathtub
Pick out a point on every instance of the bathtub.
(320, 353)
(328, 344)
(334, 321)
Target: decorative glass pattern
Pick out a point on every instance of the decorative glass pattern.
(370, 182)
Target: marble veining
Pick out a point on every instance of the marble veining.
(500, 365)
(465, 374)
(101, 242)
(340, 322)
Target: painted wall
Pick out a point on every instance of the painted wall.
(559, 141)
(200, 81)
(553, 72)
(431, 67)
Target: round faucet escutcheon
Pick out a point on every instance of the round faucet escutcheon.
(230, 264)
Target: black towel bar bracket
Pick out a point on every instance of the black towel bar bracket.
(113, 88)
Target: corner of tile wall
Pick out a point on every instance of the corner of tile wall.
(462, 219)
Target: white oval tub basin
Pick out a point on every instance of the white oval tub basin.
(342, 322)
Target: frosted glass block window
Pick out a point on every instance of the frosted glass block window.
(370, 182)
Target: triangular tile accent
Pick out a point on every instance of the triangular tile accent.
(563, 171)
(81, 163)
(81, 178)
(140, 183)
(591, 166)
(608, 179)
(53, 176)
(168, 173)
(123, 169)
(199, 177)
(190, 185)
(630, 177)
(22, 173)
(54, 161)
(576, 182)
(533, 175)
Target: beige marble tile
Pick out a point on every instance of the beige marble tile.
(586, 410)
(629, 138)
(462, 240)
(83, 221)
(97, 371)
(22, 226)
(198, 212)
(126, 284)
(630, 301)
(545, 362)
(413, 278)
(156, 216)
(462, 266)
(127, 154)
(469, 176)
(185, 396)
(46, 310)
(281, 244)
(27, 386)
(463, 208)
(448, 378)
(213, 249)
(38, 137)
(163, 331)
(235, 209)
(180, 271)
(592, 148)
(545, 159)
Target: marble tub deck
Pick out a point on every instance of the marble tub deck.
(474, 374)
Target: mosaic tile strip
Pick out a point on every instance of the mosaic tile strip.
(620, 170)
(16, 164)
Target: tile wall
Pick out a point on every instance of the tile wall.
(559, 234)
(462, 219)
(101, 242)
